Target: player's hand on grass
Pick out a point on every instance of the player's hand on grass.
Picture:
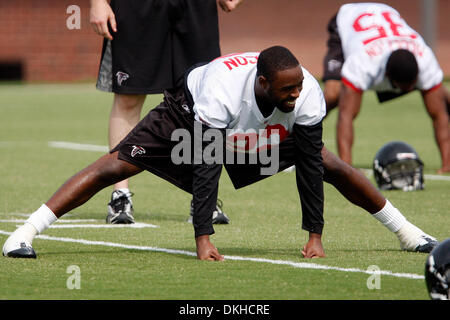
(100, 14)
(229, 5)
(206, 250)
(314, 248)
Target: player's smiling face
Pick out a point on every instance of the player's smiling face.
(285, 87)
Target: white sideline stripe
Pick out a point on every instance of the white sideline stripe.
(369, 172)
(102, 226)
(301, 265)
(77, 146)
(435, 177)
(137, 225)
(66, 216)
(20, 214)
(67, 225)
(57, 221)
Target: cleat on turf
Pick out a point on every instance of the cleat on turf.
(120, 208)
(414, 239)
(15, 247)
(219, 217)
(426, 244)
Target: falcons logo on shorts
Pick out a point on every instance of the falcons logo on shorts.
(121, 76)
(137, 150)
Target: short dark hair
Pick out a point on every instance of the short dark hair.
(402, 66)
(274, 59)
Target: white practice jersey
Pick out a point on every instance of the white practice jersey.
(224, 97)
(369, 32)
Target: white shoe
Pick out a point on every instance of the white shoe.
(413, 239)
(16, 246)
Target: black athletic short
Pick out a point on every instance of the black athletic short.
(155, 43)
(149, 145)
(334, 59)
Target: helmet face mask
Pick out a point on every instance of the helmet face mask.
(437, 272)
(405, 174)
(398, 166)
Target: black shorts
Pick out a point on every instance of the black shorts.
(149, 145)
(334, 59)
(156, 42)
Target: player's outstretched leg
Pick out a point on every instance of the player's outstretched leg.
(360, 191)
(73, 193)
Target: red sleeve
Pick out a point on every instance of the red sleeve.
(432, 88)
(350, 85)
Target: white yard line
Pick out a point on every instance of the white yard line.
(300, 265)
(136, 225)
(77, 146)
(436, 177)
(58, 221)
(68, 224)
(369, 173)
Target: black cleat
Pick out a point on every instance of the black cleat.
(120, 208)
(25, 251)
(427, 245)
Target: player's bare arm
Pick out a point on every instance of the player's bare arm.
(229, 5)
(100, 15)
(435, 103)
(350, 104)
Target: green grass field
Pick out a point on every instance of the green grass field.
(265, 230)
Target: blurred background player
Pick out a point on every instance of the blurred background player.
(147, 48)
(370, 46)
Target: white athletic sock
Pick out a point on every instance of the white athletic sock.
(26, 232)
(42, 218)
(390, 217)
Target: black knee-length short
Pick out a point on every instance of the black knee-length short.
(156, 42)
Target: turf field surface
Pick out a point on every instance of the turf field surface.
(157, 259)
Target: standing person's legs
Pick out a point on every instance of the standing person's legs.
(125, 115)
(134, 64)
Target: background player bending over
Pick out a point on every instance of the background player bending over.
(370, 46)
